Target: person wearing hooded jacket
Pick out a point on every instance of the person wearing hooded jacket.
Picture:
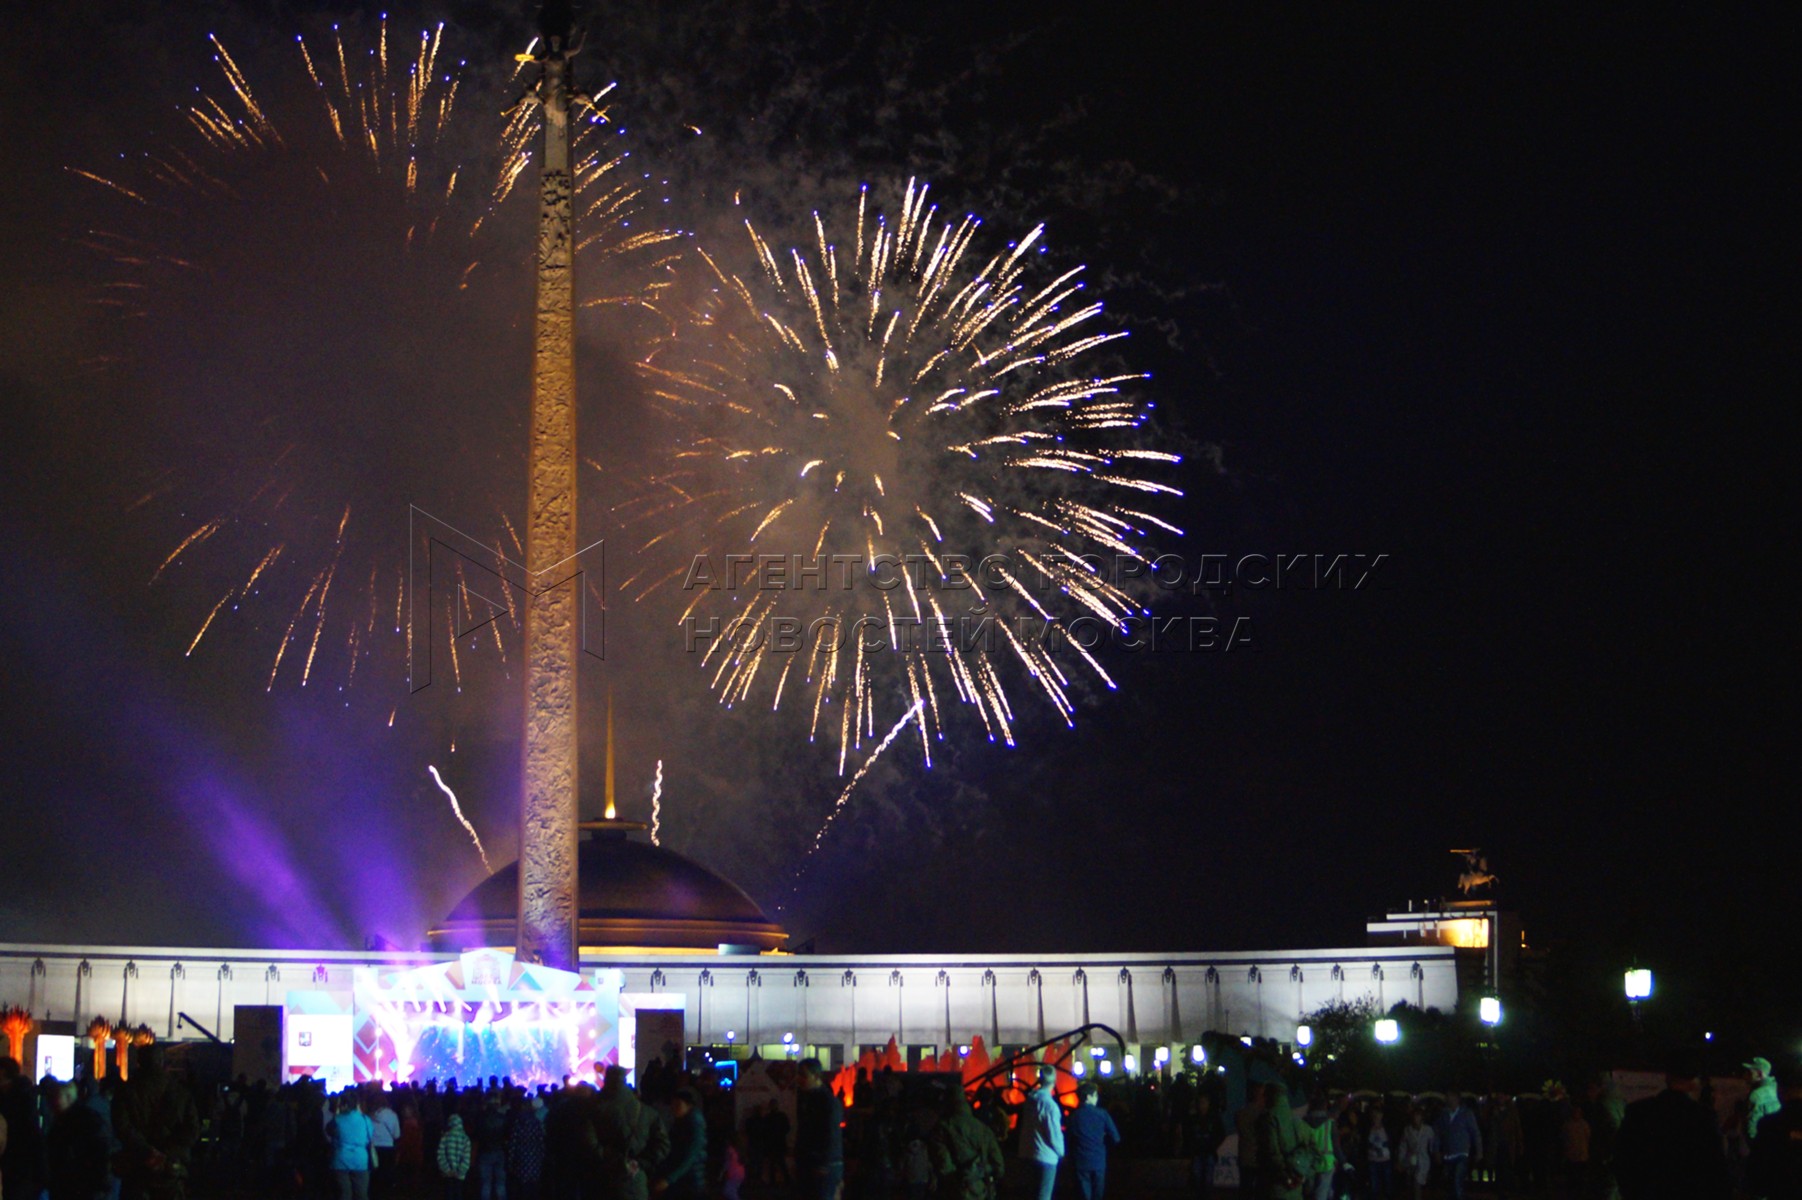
(1284, 1147)
(963, 1152)
(453, 1157)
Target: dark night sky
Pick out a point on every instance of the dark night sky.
(1495, 292)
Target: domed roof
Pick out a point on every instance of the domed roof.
(630, 895)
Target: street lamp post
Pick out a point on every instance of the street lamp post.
(1489, 1012)
(1637, 983)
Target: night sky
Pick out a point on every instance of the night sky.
(1495, 292)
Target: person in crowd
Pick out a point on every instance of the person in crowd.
(157, 1126)
(453, 1157)
(1774, 1171)
(1668, 1147)
(1091, 1133)
(525, 1147)
(278, 1134)
(572, 1154)
(77, 1156)
(1503, 1138)
(1284, 1147)
(1318, 1156)
(1247, 1122)
(1736, 1135)
(1576, 1148)
(1605, 1128)
(992, 1111)
(1378, 1157)
(352, 1135)
(918, 1145)
(1349, 1148)
(1042, 1134)
(775, 1131)
(409, 1150)
(819, 1135)
(1420, 1146)
(384, 1124)
(630, 1136)
(732, 1168)
(1460, 1143)
(682, 1175)
(1761, 1093)
(491, 1145)
(1209, 1132)
(959, 1149)
(22, 1156)
(877, 1169)
(755, 1138)
(232, 1117)
(312, 1151)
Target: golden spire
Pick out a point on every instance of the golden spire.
(612, 812)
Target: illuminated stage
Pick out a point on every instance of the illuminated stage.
(478, 1015)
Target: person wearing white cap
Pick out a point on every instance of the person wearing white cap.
(1763, 1100)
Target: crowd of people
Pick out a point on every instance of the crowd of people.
(158, 1137)
(680, 1135)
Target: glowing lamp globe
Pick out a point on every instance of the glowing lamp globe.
(1639, 983)
(1078, 1069)
(1107, 1068)
(1304, 1035)
(1388, 1032)
(1130, 1063)
(1490, 1010)
(1198, 1055)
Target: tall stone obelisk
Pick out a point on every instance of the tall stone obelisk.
(548, 810)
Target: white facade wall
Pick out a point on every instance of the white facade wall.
(824, 1000)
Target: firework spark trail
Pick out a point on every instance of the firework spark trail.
(844, 796)
(657, 806)
(196, 538)
(204, 625)
(457, 811)
(900, 404)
